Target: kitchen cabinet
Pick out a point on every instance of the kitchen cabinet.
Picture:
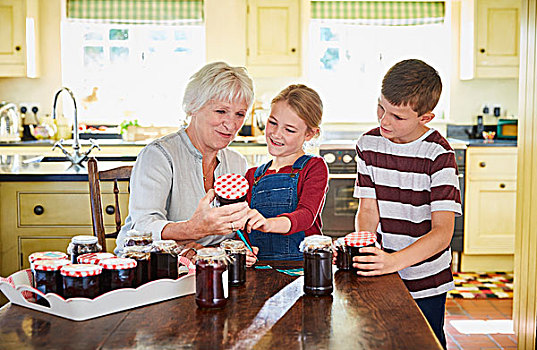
(490, 37)
(490, 204)
(19, 38)
(274, 38)
(39, 216)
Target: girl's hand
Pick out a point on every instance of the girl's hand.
(380, 263)
(256, 221)
(250, 258)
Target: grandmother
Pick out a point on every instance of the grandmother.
(172, 179)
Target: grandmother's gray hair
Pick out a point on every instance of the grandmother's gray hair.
(221, 82)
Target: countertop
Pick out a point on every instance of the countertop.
(454, 142)
(269, 312)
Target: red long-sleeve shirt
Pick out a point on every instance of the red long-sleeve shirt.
(313, 179)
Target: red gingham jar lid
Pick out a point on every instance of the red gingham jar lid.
(47, 256)
(360, 239)
(81, 270)
(93, 258)
(118, 263)
(50, 265)
(231, 186)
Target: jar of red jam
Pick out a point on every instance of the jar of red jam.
(47, 256)
(211, 278)
(133, 237)
(230, 188)
(81, 280)
(317, 265)
(356, 240)
(236, 252)
(343, 257)
(164, 259)
(82, 245)
(117, 273)
(94, 258)
(47, 277)
(142, 256)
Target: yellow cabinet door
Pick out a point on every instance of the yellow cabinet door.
(12, 32)
(29, 245)
(490, 217)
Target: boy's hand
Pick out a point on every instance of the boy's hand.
(380, 263)
(334, 256)
(250, 258)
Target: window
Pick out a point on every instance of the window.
(348, 59)
(130, 69)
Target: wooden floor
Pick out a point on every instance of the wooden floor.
(478, 309)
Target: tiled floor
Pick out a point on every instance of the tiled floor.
(478, 309)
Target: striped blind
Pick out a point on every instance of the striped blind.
(380, 12)
(136, 11)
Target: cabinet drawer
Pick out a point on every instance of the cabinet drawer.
(63, 209)
(492, 164)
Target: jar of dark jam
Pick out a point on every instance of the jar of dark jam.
(81, 280)
(236, 252)
(317, 265)
(47, 256)
(117, 273)
(211, 278)
(133, 237)
(230, 188)
(356, 240)
(343, 257)
(47, 277)
(82, 245)
(142, 256)
(163, 259)
(94, 258)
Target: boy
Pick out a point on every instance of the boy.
(408, 190)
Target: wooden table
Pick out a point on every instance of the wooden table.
(269, 312)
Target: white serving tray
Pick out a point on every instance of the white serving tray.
(81, 309)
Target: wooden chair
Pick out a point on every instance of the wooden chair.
(95, 177)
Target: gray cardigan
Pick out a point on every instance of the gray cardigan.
(167, 184)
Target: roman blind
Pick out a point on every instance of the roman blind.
(137, 11)
(390, 13)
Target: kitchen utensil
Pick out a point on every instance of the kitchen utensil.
(9, 122)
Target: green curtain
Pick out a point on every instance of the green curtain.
(136, 11)
(380, 12)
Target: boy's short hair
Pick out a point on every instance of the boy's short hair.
(414, 83)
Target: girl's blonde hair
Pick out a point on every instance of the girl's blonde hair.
(305, 102)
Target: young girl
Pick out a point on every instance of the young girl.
(287, 194)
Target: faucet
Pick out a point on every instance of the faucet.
(75, 158)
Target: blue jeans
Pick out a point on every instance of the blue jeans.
(434, 309)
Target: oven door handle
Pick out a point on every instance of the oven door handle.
(342, 176)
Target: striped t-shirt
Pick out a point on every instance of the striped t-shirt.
(409, 182)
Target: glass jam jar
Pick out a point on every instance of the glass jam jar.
(230, 188)
(47, 277)
(82, 245)
(47, 256)
(94, 258)
(317, 265)
(211, 278)
(117, 273)
(164, 259)
(81, 280)
(236, 252)
(142, 256)
(356, 240)
(133, 237)
(343, 257)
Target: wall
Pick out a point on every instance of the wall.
(226, 40)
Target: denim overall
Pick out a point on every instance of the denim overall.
(272, 195)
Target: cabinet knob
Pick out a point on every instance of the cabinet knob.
(482, 50)
(482, 164)
(110, 210)
(293, 50)
(502, 185)
(38, 210)
(17, 48)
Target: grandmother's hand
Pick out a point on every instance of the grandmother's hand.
(217, 221)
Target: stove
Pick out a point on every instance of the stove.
(340, 156)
